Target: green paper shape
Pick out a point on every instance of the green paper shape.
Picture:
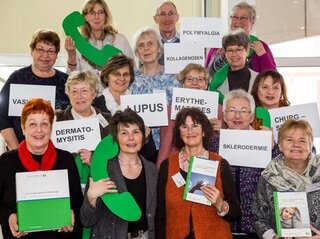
(121, 204)
(83, 170)
(263, 113)
(99, 57)
(86, 231)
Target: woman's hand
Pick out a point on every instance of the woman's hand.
(147, 130)
(216, 124)
(85, 156)
(14, 228)
(97, 189)
(258, 48)
(68, 228)
(70, 46)
(213, 195)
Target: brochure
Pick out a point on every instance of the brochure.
(43, 201)
(201, 171)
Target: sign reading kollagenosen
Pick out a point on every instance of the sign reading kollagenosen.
(178, 55)
(247, 148)
(204, 31)
(308, 112)
(72, 135)
(21, 93)
(206, 101)
(151, 107)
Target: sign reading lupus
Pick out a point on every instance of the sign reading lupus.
(72, 135)
(308, 112)
(151, 107)
(206, 101)
(178, 55)
(205, 31)
(246, 148)
(21, 93)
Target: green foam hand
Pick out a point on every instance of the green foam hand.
(121, 204)
(263, 113)
(99, 57)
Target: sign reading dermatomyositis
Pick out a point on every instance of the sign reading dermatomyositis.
(204, 31)
(247, 148)
(178, 55)
(21, 93)
(72, 135)
(206, 101)
(152, 108)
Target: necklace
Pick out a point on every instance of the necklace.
(137, 162)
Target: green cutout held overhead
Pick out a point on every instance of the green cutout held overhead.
(263, 113)
(99, 57)
(121, 204)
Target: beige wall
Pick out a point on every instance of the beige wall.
(20, 18)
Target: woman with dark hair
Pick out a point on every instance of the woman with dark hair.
(130, 172)
(177, 218)
(35, 153)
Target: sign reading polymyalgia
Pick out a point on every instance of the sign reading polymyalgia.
(247, 148)
(21, 93)
(206, 101)
(43, 200)
(72, 135)
(152, 108)
(205, 31)
(178, 55)
(308, 112)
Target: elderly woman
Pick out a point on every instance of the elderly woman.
(45, 46)
(130, 172)
(150, 77)
(193, 76)
(36, 153)
(293, 170)
(243, 16)
(99, 32)
(236, 47)
(177, 218)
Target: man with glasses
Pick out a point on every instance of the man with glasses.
(166, 16)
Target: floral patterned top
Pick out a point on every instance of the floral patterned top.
(145, 84)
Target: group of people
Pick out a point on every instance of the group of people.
(150, 160)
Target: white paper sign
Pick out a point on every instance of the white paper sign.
(178, 55)
(21, 93)
(42, 185)
(248, 148)
(72, 135)
(205, 31)
(206, 101)
(308, 112)
(151, 107)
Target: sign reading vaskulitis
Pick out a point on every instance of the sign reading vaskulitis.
(151, 107)
(178, 55)
(205, 31)
(206, 101)
(21, 93)
(247, 148)
(308, 112)
(72, 135)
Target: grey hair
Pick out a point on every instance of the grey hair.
(239, 94)
(244, 5)
(237, 37)
(162, 3)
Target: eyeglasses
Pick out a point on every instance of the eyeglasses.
(236, 51)
(118, 74)
(164, 14)
(232, 112)
(41, 51)
(185, 128)
(199, 79)
(241, 19)
(99, 13)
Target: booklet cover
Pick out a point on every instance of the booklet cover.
(43, 201)
(200, 172)
(292, 214)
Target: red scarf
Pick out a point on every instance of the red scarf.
(47, 161)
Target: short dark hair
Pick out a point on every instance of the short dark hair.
(46, 36)
(197, 117)
(236, 38)
(126, 117)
